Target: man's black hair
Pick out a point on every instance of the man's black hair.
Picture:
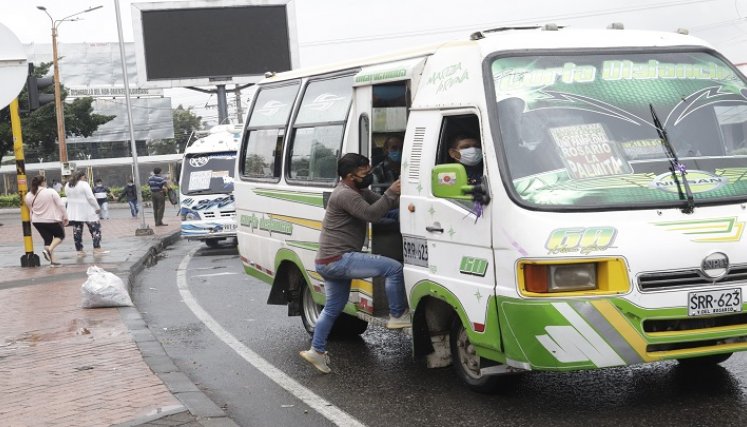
(460, 136)
(156, 170)
(349, 163)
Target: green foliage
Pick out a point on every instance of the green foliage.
(10, 201)
(185, 123)
(39, 127)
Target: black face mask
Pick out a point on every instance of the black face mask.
(364, 182)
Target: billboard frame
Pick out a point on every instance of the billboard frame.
(137, 26)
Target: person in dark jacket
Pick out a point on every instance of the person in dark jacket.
(101, 193)
(158, 188)
(129, 193)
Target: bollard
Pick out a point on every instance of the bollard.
(29, 259)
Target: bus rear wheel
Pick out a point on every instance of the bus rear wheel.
(345, 326)
(704, 361)
(466, 361)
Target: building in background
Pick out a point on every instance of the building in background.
(94, 69)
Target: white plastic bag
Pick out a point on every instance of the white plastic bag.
(104, 289)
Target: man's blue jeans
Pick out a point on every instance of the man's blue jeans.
(133, 207)
(337, 276)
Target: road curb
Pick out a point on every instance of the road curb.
(195, 401)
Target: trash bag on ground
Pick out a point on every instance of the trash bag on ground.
(104, 289)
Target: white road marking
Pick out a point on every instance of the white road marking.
(215, 274)
(323, 407)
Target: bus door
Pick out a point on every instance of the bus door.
(447, 241)
(382, 100)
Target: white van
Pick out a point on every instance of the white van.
(206, 203)
(607, 228)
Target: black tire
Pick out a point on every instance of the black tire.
(466, 362)
(345, 326)
(310, 310)
(212, 243)
(704, 361)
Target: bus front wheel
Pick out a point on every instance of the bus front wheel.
(466, 361)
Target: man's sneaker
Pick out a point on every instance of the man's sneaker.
(400, 322)
(319, 360)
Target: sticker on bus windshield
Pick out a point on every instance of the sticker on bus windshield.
(587, 151)
(199, 180)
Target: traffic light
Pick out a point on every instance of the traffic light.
(34, 85)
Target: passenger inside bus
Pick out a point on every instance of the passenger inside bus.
(388, 170)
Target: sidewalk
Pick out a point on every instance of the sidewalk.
(62, 365)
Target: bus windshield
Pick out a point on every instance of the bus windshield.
(576, 131)
(208, 173)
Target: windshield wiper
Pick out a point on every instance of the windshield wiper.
(675, 165)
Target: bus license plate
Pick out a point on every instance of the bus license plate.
(415, 251)
(714, 302)
(229, 227)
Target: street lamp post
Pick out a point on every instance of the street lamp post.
(57, 91)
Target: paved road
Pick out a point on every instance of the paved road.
(376, 382)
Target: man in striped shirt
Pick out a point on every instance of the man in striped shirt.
(158, 188)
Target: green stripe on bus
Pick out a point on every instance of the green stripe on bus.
(258, 274)
(310, 199)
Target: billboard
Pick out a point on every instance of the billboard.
(207, 43)
(151, 118)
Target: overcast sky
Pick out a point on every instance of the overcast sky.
(332, 30)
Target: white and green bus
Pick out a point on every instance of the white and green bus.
(608, 226)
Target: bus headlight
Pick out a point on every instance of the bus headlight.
(544, 278)
(571, 277)
(191, 216)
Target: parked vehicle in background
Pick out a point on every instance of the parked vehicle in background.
(599, 220)
(206, 186)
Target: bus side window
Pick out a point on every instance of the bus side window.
(263, 146)
(317, 131)
(453, 126)
(390, 107)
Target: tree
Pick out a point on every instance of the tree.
(185, 123)
(39, 127)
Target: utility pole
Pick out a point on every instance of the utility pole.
(143, 230)
(58, 100)
(57, 90)
(239, 111)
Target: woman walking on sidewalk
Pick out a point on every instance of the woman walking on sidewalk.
(47, 214)
(82, 208)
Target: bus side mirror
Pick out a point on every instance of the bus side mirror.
(450, 181)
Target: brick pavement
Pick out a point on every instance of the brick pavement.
(61, 365)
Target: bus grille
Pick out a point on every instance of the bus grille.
(694, 323)
(691, 345)
(688, 278)
(223, 214)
